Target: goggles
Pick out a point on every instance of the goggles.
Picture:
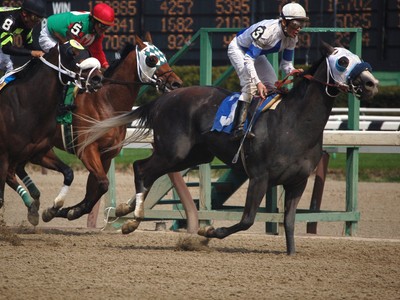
(103, 26)
(296, 24)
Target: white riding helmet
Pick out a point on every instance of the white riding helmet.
(293, 11)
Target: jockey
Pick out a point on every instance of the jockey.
(87, 28)
(247, 54)
(19, 20)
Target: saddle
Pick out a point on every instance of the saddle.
(224, 118)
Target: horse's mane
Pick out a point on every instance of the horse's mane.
(301, 85)
(125, 51)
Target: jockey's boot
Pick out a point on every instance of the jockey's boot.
(240, 119)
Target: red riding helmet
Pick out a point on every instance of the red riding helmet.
(103, 14)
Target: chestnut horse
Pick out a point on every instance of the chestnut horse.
(140, 63)
(285, 151)
(28, 108)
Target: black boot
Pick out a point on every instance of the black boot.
(240, 119)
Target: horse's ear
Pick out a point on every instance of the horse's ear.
(326, 49)
(147, 37)
(134, 40)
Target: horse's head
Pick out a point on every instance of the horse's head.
(350, 73)
(74, 65)
(153, 66)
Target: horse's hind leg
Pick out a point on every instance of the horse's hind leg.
(27, 181)
(255, 193)
(32, 205)
(3, 176)
(148, 170)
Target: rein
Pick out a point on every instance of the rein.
(77, 78)
(340, 86)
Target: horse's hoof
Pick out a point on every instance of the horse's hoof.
(48, 214)
(205, 231)
(74, 213)
(33, 213)
(124, 209)
(130, 226)
(1, 202)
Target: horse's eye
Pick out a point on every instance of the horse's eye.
(343, 62)
(151, 61)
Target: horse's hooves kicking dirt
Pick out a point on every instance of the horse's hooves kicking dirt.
(123, 209)
(49, 214)
(33, 213)
(130, 226)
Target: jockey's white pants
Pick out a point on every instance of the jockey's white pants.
(264, 69)
(46, 41)
(6, 63)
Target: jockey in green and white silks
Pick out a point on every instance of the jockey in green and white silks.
(87, 28)
(19, 21)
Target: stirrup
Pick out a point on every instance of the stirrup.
(239, 134)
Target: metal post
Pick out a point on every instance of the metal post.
(352, 157)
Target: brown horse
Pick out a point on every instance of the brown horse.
(28, 108)
(141, 63)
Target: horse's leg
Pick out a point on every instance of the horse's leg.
(96, 186)
(137, 204)
(32, 205)
(50, 161)
(255, 193)
(292, 197)
(27, 181)
(3, 176)
(148, 170)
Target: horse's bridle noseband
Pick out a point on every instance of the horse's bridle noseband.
(144, 79)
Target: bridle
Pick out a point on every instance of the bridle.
(77, 79)
(344, 87)
(145, 78)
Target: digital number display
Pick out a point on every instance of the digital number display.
(172, 23)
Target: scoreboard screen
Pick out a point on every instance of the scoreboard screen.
(172, 23)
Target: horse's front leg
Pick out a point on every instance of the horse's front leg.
(96, 186)
(32, 205)
(293, 194)
(255, 193)
(51, 161)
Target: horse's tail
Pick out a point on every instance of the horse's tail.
(101, 127)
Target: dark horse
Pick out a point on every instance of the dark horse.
(286, 149)
(28, 108)
(140, 63)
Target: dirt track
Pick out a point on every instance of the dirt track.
(64, 260)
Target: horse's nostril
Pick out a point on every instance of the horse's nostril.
(176, 85)
(97, 79)
(369, 84)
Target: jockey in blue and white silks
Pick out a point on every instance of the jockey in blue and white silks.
(247, 55)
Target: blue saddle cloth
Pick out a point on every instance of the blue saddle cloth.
(224, 118)
(9, 79)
